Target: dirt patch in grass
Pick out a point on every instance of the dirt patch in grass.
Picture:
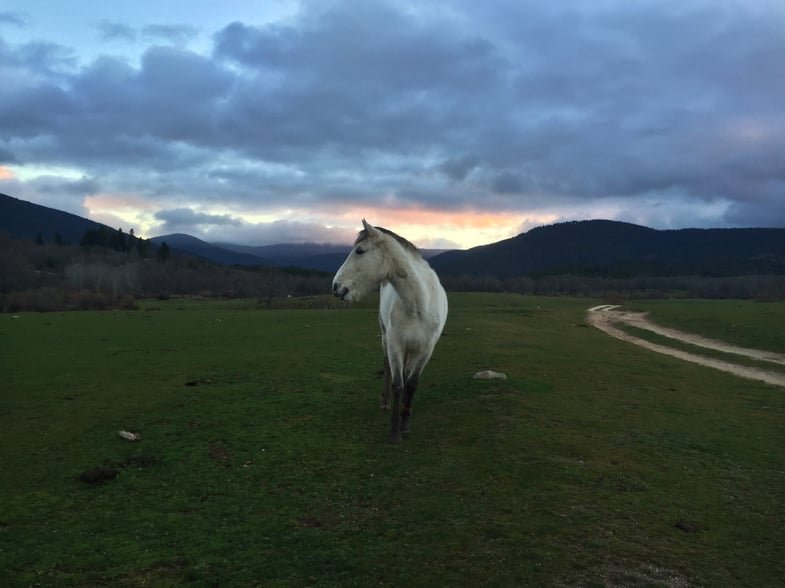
(220, 454)
(199, 382)
(627, 573)
(99, 475)
(107, 471)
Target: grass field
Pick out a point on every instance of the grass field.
(262, 459)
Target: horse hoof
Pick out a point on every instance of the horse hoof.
(395, 437)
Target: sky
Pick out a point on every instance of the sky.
(454, 123)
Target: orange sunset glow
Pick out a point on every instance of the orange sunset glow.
(439, 229)
(427, 228)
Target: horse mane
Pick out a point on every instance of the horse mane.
(363, 235)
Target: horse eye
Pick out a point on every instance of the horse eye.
(359, 251)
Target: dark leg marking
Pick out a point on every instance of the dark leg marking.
(395, 420)
(406, 413)
(384, 399)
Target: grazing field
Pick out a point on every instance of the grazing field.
(262, 458)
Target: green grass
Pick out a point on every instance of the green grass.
(595, 463)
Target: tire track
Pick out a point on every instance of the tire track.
(605, 318)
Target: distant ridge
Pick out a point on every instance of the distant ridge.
(310, 256)
(601, 248)
(208, 251)
(618, 249)
(325, 257)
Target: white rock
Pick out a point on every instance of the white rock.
(489, 375)
(129, 436)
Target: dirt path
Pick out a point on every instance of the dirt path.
(606, 317)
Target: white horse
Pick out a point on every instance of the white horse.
(412, 311)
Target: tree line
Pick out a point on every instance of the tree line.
(760, 287)
(112, 269)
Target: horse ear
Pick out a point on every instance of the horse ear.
(369, 228)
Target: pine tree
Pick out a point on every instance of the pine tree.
(163, 252)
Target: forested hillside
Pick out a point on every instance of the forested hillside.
(600, 248)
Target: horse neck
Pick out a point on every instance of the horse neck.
(406, 276)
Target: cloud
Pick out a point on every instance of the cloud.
(17, 19)
(43, 58)
(228, 228)
(185, 217)
(523, 110)
(116, 31)
(6, 156)
(175, 34)
(266, 233)
(83, 186)
(764, 212)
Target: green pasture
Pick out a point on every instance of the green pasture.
(263, 462)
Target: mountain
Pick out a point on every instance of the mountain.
(25, 220)
(617, 249)
(325, 257)
(208, 251)
(303, 255)
(593, 248)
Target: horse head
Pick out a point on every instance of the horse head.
(366, 266)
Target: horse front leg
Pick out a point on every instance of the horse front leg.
(395, 419)
(384, 399)
(406, 412)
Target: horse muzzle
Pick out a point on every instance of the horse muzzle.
(340, 291)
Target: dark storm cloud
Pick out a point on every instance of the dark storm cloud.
(410, 88)
(460, 105)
